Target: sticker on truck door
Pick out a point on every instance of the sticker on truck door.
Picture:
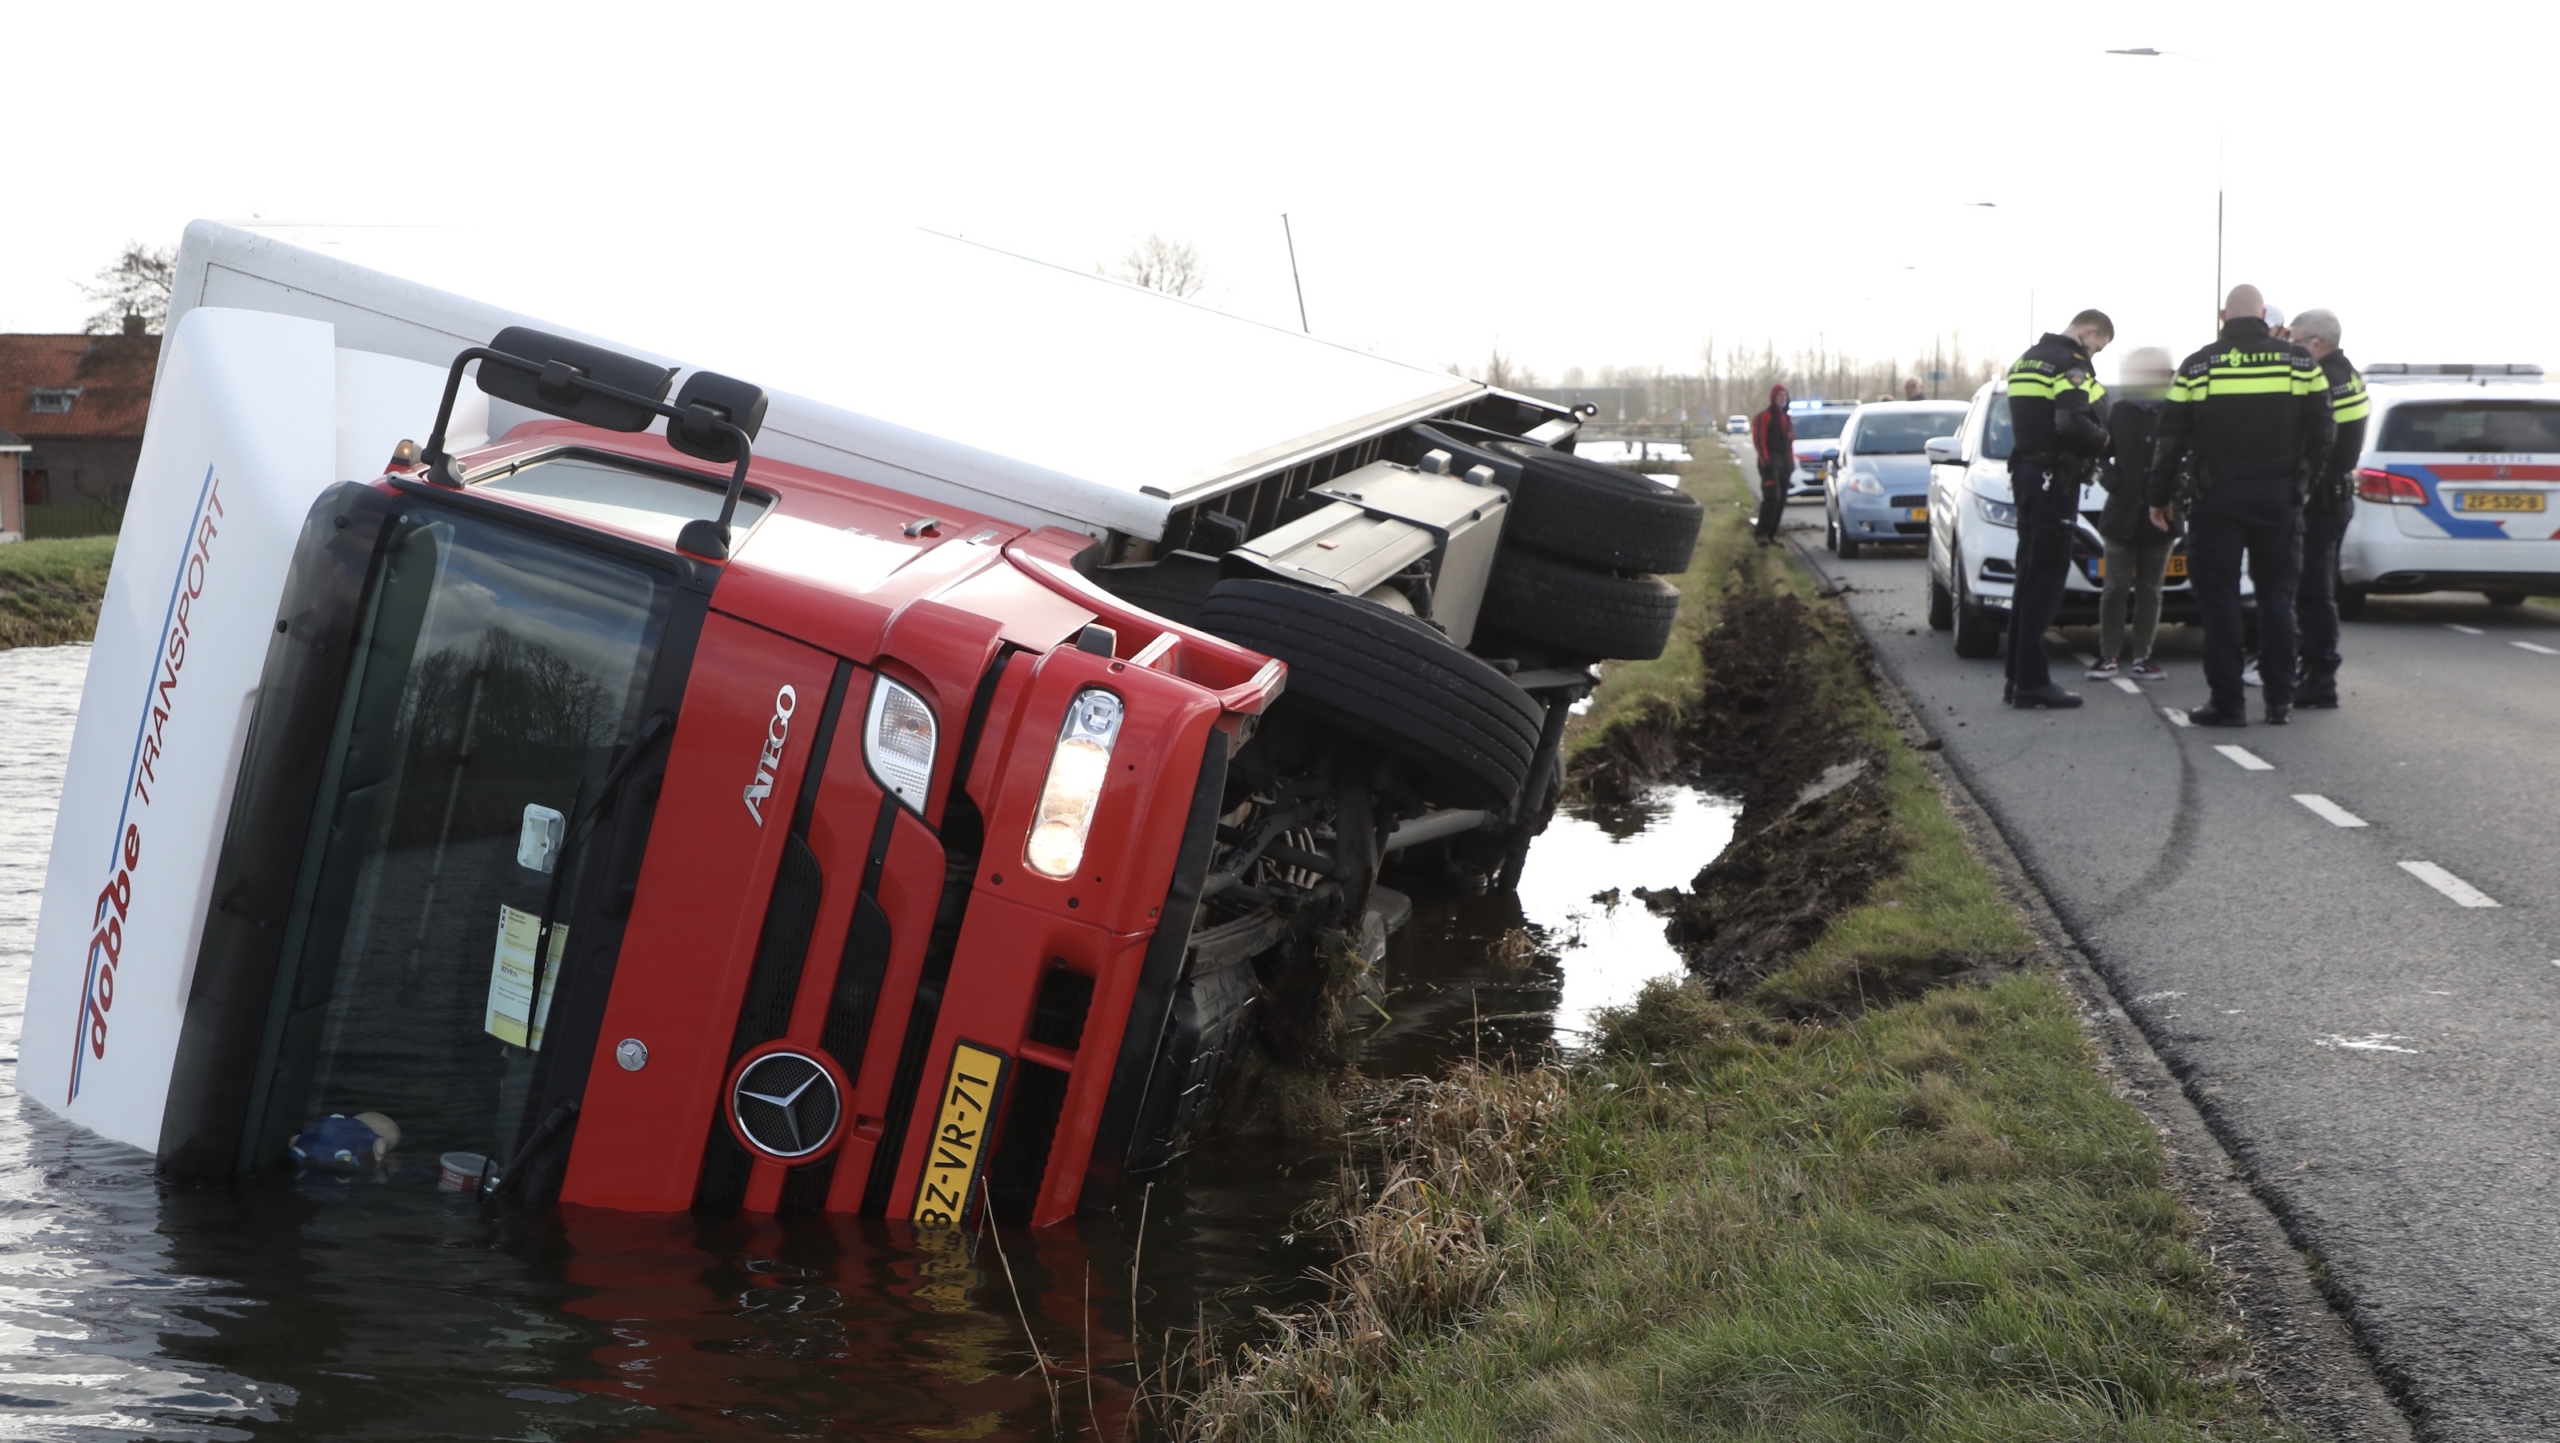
(959, 1143)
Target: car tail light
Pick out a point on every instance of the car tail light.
(2389, 487)
(897, 739)
(1076, 772)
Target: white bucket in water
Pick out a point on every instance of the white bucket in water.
(460, 1171)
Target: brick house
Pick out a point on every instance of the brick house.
(76, 404)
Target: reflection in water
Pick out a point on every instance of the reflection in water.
(375, 1307)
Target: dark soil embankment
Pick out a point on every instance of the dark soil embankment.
(1816, 832)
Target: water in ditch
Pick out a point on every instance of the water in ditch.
(301, 1309)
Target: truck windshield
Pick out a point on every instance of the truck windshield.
(2499, 427)
(496, 672)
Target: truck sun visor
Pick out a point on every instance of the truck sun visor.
(897, 739)
(1076, 771)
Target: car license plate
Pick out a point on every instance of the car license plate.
(1919, 513)
(2501, 500)
(959, 1143)
(2177, 567)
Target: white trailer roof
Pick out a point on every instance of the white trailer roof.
(925, 362)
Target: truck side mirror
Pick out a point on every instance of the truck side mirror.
(1942, 450)
(574, 381)
(706, 400)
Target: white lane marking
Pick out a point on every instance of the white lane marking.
(2370, 1042)
(2084, 658)
(2126, 686)
(2465, 630)
(2328, 811)
(2176, 717)
(2536, 650)
(2462, 892)
(2246, 760)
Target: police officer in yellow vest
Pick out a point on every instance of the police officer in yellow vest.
(2253, 412)
(2332, 505)
(2053, 407)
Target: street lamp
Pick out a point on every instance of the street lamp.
(2146, 52)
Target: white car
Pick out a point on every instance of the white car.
(1973, 538)
(2458, 488)
(1737, 425)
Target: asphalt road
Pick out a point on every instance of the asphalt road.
(2382, 1059)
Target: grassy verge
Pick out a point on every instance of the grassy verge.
(50, 590)
(1817, 1207)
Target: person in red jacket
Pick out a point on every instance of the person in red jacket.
(1773, 438)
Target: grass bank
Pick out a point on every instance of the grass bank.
(50, 590)
(1858, 1178)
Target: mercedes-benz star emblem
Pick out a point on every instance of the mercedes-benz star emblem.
(786, 1104)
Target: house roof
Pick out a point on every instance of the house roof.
(11, 441)
(111, 374)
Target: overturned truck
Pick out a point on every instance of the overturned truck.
(602, 780)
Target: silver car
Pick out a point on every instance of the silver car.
(1878, 491)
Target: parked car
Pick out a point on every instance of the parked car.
(1737, 425)
(1818, 425)
(2456, 487)
(646, 791)
(1973, 538)
(1879, 490)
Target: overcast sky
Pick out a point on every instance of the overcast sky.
(1587, 185)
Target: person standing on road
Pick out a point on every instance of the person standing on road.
(1773, 439)
(1911, 389)
(2053, 409)
(2137, 550)
(2252, 415)
(2325, 515)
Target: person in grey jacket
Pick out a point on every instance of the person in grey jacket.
(2137, 549)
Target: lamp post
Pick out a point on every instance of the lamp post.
(2145, 52)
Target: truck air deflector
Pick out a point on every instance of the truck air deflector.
(853, 1000)
(1143, 1041)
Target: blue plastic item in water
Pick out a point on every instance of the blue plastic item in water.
(337, 1141)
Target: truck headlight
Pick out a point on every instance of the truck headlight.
(897, 740)
(1074, 787)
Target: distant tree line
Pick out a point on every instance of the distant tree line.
(1736, 381)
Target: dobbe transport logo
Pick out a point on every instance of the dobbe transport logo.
(162, 700)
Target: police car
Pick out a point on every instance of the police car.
(2458, 488)
(1973, 537)
(1818, 426)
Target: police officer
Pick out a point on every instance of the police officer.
(2253, 413)
(2325, 515)
(2053, 406)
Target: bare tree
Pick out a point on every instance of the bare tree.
(1158, 264)
(1500, 370)
(135, 291)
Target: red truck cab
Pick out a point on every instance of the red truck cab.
(850, 866)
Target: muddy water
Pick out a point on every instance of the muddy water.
(387, 1310)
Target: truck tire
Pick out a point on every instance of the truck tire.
(1601, 516)
(1582, 612)
(1391, 681)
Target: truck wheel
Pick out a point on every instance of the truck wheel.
(1585, 613)
(1392, 681)
(1942, 605)
(1599, 515)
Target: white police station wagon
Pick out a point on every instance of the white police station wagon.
(2458, 488)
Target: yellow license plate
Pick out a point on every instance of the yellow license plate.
(959, 1142)
(1919, 513)
(2501, 500)
(2177, 566)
